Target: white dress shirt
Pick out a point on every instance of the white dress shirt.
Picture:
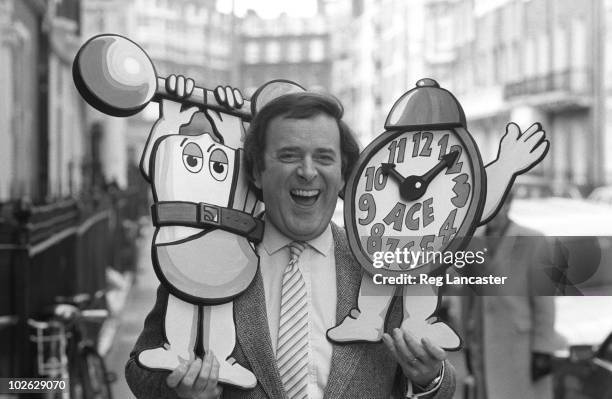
(318, 267)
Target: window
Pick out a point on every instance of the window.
(294, 51)
(251, 53)
(273, 52)
(317, 50)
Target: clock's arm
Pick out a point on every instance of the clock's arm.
(499, 181)
(518, 153)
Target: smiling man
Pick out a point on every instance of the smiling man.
(299, 154)
(300, 172)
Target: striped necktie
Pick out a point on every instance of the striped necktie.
(292, 345)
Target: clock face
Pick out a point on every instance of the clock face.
(419, 192)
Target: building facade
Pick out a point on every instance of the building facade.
(505, 60)
(42, 137)
(286, 47)
(529, 61)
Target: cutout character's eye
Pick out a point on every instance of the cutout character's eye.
(193, 157)
(218, 164)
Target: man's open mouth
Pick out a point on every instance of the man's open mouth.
(305, 197)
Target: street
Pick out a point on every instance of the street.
(138, 304)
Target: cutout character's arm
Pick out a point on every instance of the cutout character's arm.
(171, 117)
(518, 153)
(229, 127)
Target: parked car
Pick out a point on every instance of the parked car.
(528, 186)
(584, 230)
(585, 370)
(601, 195)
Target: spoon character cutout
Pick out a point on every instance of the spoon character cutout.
(203, 246)
(420, 188)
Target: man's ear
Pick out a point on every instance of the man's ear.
(257, 177)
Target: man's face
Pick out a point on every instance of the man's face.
(302, 174)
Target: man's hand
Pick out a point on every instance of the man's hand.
(541, 365)
(196, 379)
(421, 361)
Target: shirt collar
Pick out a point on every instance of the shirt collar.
(274, 240)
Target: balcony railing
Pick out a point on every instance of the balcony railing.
(571, 81)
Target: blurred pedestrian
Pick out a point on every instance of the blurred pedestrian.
(509, 332)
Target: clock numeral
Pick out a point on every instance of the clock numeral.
(426, 150)
(443, 144)
(392, 244)
(461, 189)
(375, 178)
(447, 230)
(401, 149)
(456, 167)
(426, 243)
(374, 243)
(409, 245)
(367, 204)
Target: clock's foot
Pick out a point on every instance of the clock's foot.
(233, 373)
(357, 327)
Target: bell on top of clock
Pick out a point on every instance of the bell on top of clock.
(427, 105)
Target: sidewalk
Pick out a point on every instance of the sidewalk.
(139, 302)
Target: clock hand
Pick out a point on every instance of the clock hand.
(414, 187)
(389, 169)
(446, 162)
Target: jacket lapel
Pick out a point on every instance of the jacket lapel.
(254, 337)
(345, 357)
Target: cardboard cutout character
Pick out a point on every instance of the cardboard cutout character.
(421, 186)
(203, 247)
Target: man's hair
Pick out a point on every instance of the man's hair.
(300, 105)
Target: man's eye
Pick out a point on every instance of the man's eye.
(326, 159)
(288, 157)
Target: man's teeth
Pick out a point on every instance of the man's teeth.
(305, 193)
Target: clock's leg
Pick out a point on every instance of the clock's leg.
(420, 306)
(366, 322)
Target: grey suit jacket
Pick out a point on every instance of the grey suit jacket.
(360, 370)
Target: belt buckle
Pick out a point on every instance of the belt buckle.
(209, 213)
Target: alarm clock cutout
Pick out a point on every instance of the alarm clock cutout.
(202, 248)
(421, 185)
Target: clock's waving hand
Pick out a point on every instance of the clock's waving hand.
(518, 152)
(521, 152)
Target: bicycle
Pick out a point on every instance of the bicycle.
(65, 351)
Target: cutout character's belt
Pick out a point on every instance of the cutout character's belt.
(201, 215)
